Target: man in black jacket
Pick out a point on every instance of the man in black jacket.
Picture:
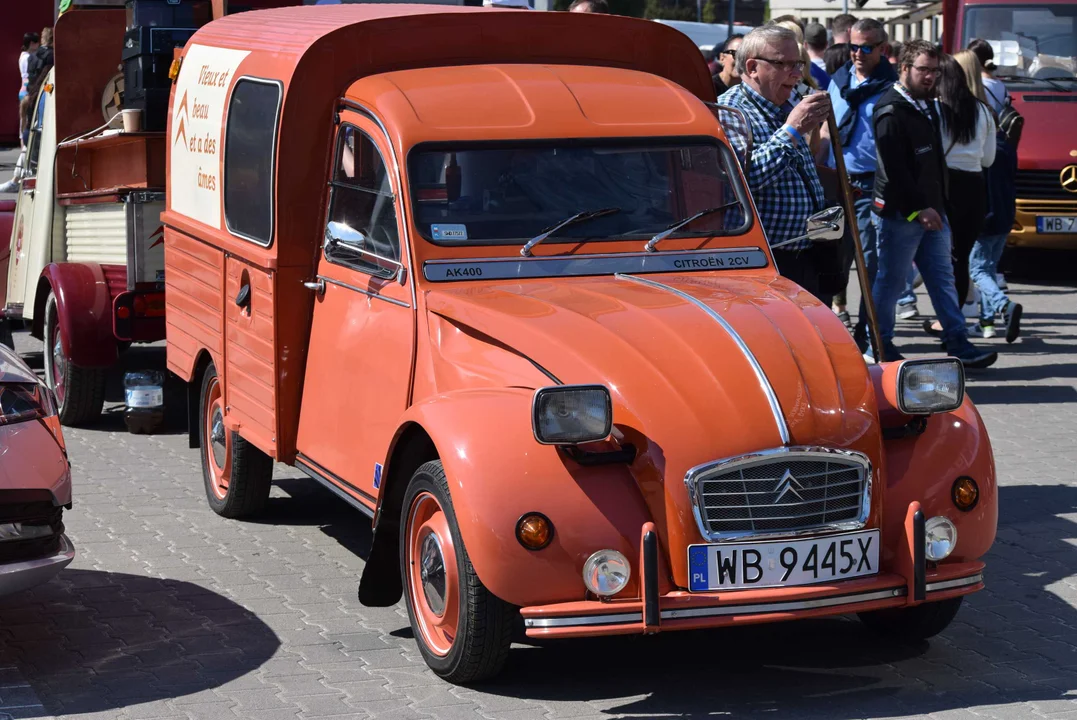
(910, 205)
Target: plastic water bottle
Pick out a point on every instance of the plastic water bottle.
(144, 395)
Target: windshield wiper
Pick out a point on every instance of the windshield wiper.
(577, 218)
(649, 247)
(1046, 81)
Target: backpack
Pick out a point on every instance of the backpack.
(1011, 123)
(40, 60)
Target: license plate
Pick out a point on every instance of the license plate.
(783, 563)
(1056, 223)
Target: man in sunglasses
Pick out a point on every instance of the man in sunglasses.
(855, 89)
(910, 205)
(781, 171)
(727, 75)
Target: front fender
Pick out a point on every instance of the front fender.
(84, 312)
(925, 467)
(497, 472)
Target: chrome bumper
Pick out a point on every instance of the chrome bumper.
(18, 576)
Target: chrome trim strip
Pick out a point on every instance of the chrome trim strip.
(376, 296)
(955, 583)
(764, 384)
(693, 477)
(617, 619)
(784, 606)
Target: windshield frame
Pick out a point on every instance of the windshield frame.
(725, 154)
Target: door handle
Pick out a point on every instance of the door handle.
(318, 286)
(243, 299)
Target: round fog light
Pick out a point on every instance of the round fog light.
(606, 572)
(534, 531)
(940, 538)
(965, 493)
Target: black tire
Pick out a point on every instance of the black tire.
(485, 622)
(916, 623)
(249, 470)
(80, 392)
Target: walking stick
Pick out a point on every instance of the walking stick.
(850, 220)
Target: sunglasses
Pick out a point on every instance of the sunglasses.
(730, 53)
(866, 49)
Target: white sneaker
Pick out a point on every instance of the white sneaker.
(907, 311)
(1000, 280)
(986, 331)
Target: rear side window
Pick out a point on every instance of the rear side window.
(250, 159)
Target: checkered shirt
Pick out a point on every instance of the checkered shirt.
(781, 172)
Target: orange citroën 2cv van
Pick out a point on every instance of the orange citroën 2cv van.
(502, 288)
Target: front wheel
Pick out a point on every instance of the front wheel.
(80, 392)
(238, 475)
(463, 630)
(919, 622)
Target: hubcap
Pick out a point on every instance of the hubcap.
(59, 366)
(432, 574)
(217, 437)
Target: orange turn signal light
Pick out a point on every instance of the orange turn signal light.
(534, 531)
(965, 493)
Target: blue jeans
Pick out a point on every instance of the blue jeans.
(901, 242)
(908, 296)
(983, 265)
(868, 242)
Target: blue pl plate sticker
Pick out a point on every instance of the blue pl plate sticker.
(377, 477)
(697, 568)
(448, 232)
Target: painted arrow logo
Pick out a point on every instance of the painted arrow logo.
(180, 118)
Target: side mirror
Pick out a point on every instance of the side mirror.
(824, 226)
(827, 225)
(344, 240)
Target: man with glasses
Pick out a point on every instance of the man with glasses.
(854, 91)
(910, 205)
(727, 75)
(781, 171)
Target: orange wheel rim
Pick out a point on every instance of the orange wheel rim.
(218, 444)
(433, 580)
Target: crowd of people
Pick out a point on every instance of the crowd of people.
(931, 173)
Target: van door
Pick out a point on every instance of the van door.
(362, 340)
(31, 238)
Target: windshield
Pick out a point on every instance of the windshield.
(483, 194)
(1030, 41)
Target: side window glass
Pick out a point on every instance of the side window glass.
(362, 214)
(34, 149)
(250, 158)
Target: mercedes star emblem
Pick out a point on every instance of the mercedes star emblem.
(1068, 178)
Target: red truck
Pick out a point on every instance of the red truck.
(1035, 45)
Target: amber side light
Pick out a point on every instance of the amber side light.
(965, 493)
(534, 531)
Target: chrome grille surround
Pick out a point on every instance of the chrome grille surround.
(846, 471)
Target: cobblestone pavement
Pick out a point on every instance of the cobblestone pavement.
(172, 612)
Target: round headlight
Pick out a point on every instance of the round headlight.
(606, 572)
(940, 538)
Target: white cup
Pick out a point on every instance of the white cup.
(132, 120)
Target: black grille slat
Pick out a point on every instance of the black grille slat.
(1041, 185)
(753, 498)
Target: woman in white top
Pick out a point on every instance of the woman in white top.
(968, 139)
